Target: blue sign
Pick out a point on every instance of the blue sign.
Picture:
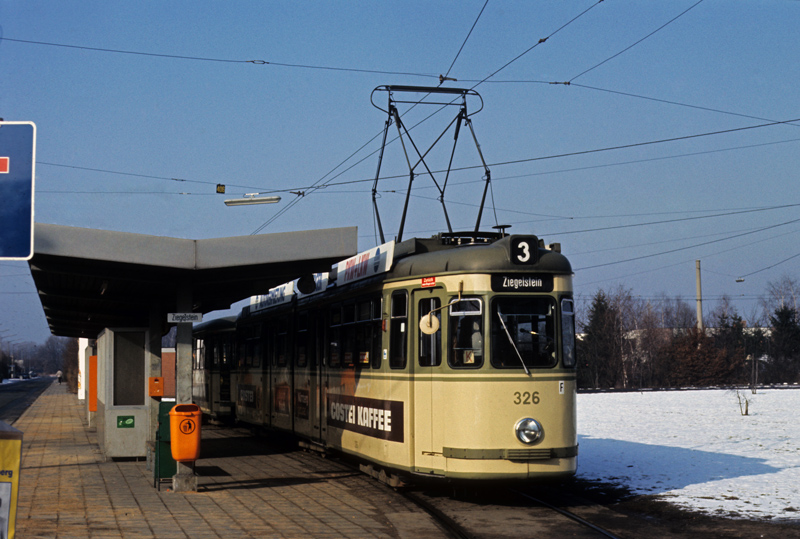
(17, 162)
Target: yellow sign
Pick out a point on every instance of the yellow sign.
(10, 457)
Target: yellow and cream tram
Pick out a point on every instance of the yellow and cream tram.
(451, 357)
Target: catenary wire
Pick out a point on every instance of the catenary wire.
(770, 267)
(707, 255)
(635, 225)
(687, 247)
(587, 152)
(639, 41)
(628, 94)
(336, 184)
(571, 218)
(294, 202)
(465, 41)
(225, 60)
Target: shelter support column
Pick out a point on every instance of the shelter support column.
(153, 361)
(184, 480)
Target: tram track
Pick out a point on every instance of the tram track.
(569, 515)
(566, 508)
(450, 526)
(495, 512)
(502, 513)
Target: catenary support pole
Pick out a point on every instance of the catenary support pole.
(699, 299)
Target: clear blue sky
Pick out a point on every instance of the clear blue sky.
(116, 130)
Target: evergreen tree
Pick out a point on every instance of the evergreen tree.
(601, 351)
(698, 362)
(729, 339)
(784, 364)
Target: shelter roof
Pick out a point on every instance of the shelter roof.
(91, 279)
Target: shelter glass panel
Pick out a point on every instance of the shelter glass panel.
(129, 372)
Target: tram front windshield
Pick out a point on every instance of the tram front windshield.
(523, 330)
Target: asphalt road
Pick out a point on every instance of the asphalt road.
(16, 396)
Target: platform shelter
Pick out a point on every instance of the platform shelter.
(119, 287)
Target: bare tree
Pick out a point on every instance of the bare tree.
(69, 362)
(50, 354)
(676, 313)
(784, 292)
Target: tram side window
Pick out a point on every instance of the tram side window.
(301, 339)
(523, 329)
(430, 345)
(249, 353)
(377, 332)
(226, 353)
(334, 348)
(568, 332)
(364, 332)
(281, 344)
(358, 333)
(199, 354)
(466, 333)
(398, 329)
(348, 341)
(258, 352)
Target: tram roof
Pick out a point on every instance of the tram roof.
(90, 279)
(432, 256)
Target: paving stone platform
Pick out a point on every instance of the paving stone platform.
(247, 487)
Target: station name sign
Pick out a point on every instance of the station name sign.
(183, 318)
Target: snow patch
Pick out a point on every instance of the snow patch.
(696, 450)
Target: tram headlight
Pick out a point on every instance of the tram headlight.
(529, 431)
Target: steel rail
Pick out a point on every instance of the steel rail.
(569, 515)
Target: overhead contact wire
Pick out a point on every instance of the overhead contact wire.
(639, 41)
(224, 60)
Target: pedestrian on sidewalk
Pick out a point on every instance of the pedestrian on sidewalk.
(60, 375)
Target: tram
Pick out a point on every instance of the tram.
(446, 358)
(213, 366)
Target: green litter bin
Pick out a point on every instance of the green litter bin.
(165, 466)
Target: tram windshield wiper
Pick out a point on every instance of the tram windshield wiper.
(503, 322)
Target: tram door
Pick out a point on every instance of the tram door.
(281, 376)
(317, 358)
(306, 376)
(426, 366)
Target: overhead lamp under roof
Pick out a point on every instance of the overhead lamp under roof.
(251, 198)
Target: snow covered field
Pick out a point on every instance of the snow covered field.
(696, 450)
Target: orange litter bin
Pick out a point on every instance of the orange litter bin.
(184, 430)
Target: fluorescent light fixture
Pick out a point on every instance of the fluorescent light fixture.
(251, 198)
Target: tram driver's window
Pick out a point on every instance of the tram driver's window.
(398, 330)
(523, 329)
(466, 333)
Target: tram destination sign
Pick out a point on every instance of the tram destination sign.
(520, 282)
(17, 163)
